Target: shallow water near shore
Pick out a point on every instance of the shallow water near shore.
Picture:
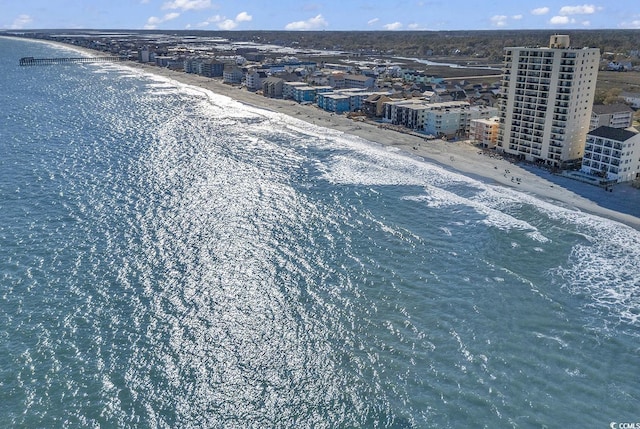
(172, 258)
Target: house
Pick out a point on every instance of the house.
(611, 115)
(613, 154)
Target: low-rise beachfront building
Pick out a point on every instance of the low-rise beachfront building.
(272, 87)
(334, 102)
(288, 89)
(613, 154)
(373, 106)
(448, 119)
(232, 75)
(345, 100)
(484, 132)
(307, 94)
(211, 68)
(611, 115)
(253, 79)
(304, 94)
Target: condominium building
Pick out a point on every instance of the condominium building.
(611, 115)
(447, 119)
(545, 101)
(484, 132)
(613, 154)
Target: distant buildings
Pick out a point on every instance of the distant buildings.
(546, 98)
(613, 154)
(633, 98)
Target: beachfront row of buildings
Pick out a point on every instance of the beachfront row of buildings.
(541, 111)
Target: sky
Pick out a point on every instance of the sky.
(301, 15)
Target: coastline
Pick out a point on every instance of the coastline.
(459, 156)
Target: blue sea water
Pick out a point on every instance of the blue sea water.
(173, 258)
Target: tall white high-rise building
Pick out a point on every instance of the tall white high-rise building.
(546, 98)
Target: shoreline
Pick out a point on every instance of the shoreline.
(459, 156)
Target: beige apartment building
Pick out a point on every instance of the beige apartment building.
(546, 98)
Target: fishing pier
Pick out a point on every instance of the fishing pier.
(31, 61)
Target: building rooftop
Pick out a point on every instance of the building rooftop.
(603, 109)
(611, 133)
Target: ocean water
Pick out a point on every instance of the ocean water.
(172, 258)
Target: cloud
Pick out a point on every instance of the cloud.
(393, 26)
(224, 23)
(540, 11)
(415, 26)
(499, 20)
(586, 23)
(187, 4)
(516, 17)
(372, 21)
(154, 21)
(585, 9)
(227, 24)
(314, 23)
(20, 22)
(559, 20)
(635, 23)
(243, 17)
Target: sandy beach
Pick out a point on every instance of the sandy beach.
(623, 204)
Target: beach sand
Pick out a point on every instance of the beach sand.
(623, 204)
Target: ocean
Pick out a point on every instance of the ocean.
(173, 258)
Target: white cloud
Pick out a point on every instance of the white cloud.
(224, 23)
(559, 20)
(585, 9)
(227, 24)
(630, 24)
(243, 17)
(20, 22)
(372, 21)
(393, 26)
(517, 17)
(586, 23)
(187, 4)
(314, 23)
(154, 21)
(499, 20)
(540, 11)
